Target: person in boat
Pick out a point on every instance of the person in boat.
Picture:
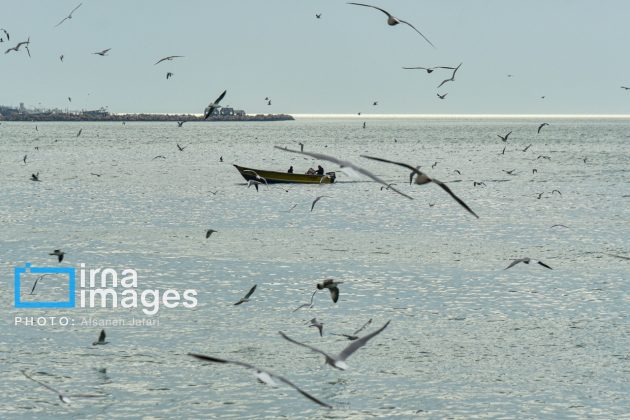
(320, 170)
(290, 171)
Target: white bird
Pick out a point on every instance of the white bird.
(345, 164)
(422, 178)
(318, 325)
(169, 58)
(306, 305)
(354, 335)
(452, 79)
(246, 297)
(213, 105)
(339, 361)
(331, 285)
(69, 16)
(101, 339)
(254, 183)
(525, 260)
(262, 375)
(392, 20)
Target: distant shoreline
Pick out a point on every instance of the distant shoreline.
(463, 116)
(57, 117)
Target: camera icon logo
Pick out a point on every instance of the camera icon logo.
(63, 275)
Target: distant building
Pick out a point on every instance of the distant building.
(239, 113)
(22, 108)
(227, 111)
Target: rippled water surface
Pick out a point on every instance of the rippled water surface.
(467, 338)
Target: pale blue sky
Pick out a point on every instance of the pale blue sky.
(573, 52)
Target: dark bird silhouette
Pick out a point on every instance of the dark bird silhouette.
(504, 138)
(159, 157)
(374, 103)
(534, 171)
(180, 123)
(169, 58)
(181, 149)
(510, 172)
(331, 285)
(541, 126)
(80, 131)
(622, 87)
(503, 151)
(102, 53)
(442, 96)
(269, 102)
(318, 325)
(422, 178)
(429, 70)
(526, 148)
(19, 44)
(209, 232)
(339, 361)
(525, 260)
(354, 335)
(392, 20)
(35, 177)
(318, 15)
(452, 78)
(69, 15)
(169, 75)
(475, 183)
(101, 339)
(246, 297)
(61, 58)
(7, 34)
(262, 375)
(213, 105)
(24, 159)
(69, 99)
(59, 254)
(317, 199)
(544, 157)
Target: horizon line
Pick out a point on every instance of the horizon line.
(459, 116)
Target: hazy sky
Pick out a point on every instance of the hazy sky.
(575, 53)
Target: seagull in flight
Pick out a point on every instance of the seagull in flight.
(181, 149)
(180, 123)
(306, 305)
(169, 58)
(331, 285)
(428, 69)
(19, 44)
(64, 398)
(317, 199)
(210, 232)
(213, 105)
(35, 177)
(159, 157)
(452, 79)
(392, 20)
(622, 87)
(101, 339)
(61, 58)
(422, 178)
(169, 75)
(339, 361)
(69, 16)
(354, 335)
(59, 254)
(318, 325)
(246, 297)
(36, 281)
(9, 38)
(345, 164)
(318, 15)
(442, 96)
(526, 148)
(79, 133)
(102, 53)
(504, 138)
(263, 375)
(525, 260)
(541, 126)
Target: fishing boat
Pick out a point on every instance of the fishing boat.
(284, 177)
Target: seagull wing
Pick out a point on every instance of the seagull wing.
(306, 394)
(456, 198)
(345, 163)
(544, 265)
(35, 284)
(373, 7)
(316, 350)
(251, 292)
(513, 263)
(414, 68)
(101, 336)
(415, 171)
(357, 344)
(73, 10)
(334, 293)
(62, 21)
(414, 28)
(444, 81)
(48, 387)
(216, 101)
(363, 327)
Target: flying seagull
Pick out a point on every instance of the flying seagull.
(61, 58)
(169, 58)
(345, 164)
(101, 339)
(254, 183)
(318, 15)
(263, 375)
(541, 126)
(318, 325)
(354, 335)
(35, 177)
(452, 78)
(19, 44)
(525, 149)
(306, 305)
(159, 157)
(36, 281)
(181, 149)
(62, 397)
(24, 159)
(79, 133)
(58, 253)
(180, 123)
(622, 87)
(392, 20)
(422, 178)
(210, 232)
(246, 297)
(7, 34)
(504, 138)
(339, 361)
(69, 16)
(213, 105)
(169, 75)
(428, 69)
(442, 96)
(317, 199)
(525, 260)
(331, 285)
(102, 53)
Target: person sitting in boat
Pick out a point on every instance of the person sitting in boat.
(290, 171)
(320, 170)
(310, 171)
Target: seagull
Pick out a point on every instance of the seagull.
(97, 175)
(345, 164)
(458, 172)
(622, 87)
(339, 361)
(452, 79)
(159, 156)
(169, 75)
(318, 15)
(475, 183)
(301, 146)
(101, 339)
(374, 103)
(544, 157)
(354, 335)
(392, 20)
(258, 177)
(36, 280)
(169, 58)
(61, 58)
(210, 232)
(69, 99)
(181, 149)
(540, 195)
(19, 44)
(503, 151)
(62, 397)
(263, 375)
(306, 305)
(317, 199)
(510, 172)
(246, 297)
(102, 53)
(442, 96)
(7, 34)
(534, 171)
(541, 126)
(584, 160)
(69, 16)
(254, 183)
(525, 149)
(35, 177)
(556, 191)
(428, 69)
(319, 325)
(59, 254)
(79, 133)
(422, 178)
(213, 105)
(560, 225)
(331, 285)
(525, 260)
(24, 159)
(269, 102)
(504, 138)
(180, 123)
(363, 124)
